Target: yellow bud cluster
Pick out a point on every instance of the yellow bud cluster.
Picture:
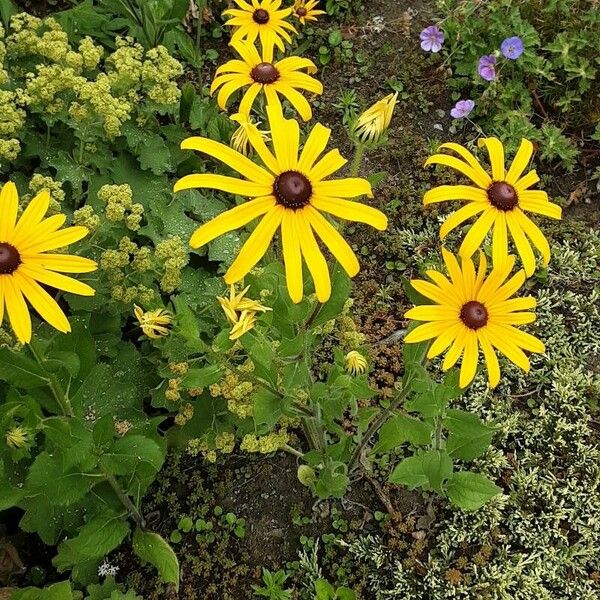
(120, 205)
(179, 368)
(158, 71)
(39, 182)
(225, 442)
(186, 412)
(172, 393)
(86, 217)
(198, 446)
(265, 444)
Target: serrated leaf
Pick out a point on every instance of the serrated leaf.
(402, 428)
(152, 548)
(20, 371)
(469, 437)
(340, 291)
(427, 470)
(129, 453)
(56, 591)
(471, 491)
(154, 155)
(203, 377)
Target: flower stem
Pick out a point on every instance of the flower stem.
(125, 499)
(59, 394)
(359, 154)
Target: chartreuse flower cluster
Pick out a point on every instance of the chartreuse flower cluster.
(78, 85)
(471, 313)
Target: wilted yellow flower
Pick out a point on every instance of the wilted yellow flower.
(356, 363)
(373, 123)
(240, 140)
(304, 10)
(17, 437)
(238, 303)
(244, 324)
(154, 323)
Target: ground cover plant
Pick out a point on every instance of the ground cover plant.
(299, 300)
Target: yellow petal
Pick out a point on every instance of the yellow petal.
(240, 187)
(498, 338)
(460, 216)
(499, 240)
(520, 161)
(522, 245)
(255, 246)
(45, 305)
(350, 187)
(468, 368)
(67, 263)
(330, 163)
(425, 332)
(526, 182)
(292, 256)
(455, 192)
(34, 213)
(456, 349)
(337, 245)
(428, 312)
(298, 101)
(56, 280)
(9, 205)
(477, 233)
(482, 179)
(230, 157)
(496, 153)
(534, 201)
(2, 294)
(286, 138)
(491, 360)
(444, 339)
(534, 234)
(315, 261)
(435, 293)
(249, 97)
(48, 226)
(488, 292)
(232, 219)
(351, 211)
(18, 313)
(313, 147)
(467, 156)
(60, 239)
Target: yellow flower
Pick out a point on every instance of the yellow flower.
(154, 323)
(373, 123)
(239, 303)
(17, 437)
(502, 200)
(260, 73)
(240, 141)
(356, 363)
(290, 192)
(24, 263)
(261, 20)
(473, 312)
(304, 10)
(244, 324)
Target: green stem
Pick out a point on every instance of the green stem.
(200, 6)
(56, 388)
(359, 154)
(293, 451)
(379, 420)
(125, 499)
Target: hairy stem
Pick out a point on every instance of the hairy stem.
(125, 499)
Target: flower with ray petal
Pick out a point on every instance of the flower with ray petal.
(501, 200)
(261, 74)
(355, 363)
(25, 262)
(261, 19)
(239, 303)
(306, 10)
(290, 191)
(374, 121)
(154, 323)
(473, 312)
(240, 141)
(243, 325)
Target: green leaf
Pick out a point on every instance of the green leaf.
(133, 454)
(9, 494)
(471, 491)
(57, 591)
(152, 548)
(21, 371)
(95, 540)
(427, 470)
(203, 377)
(154, 155)
(340, 286)
(267, 410)
(401, 428)
(469, 437)
(333, 480)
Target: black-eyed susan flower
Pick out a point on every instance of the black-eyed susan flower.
(501, 201)
(25, 262)
(374, 122)
(246, 322)
(260, 73)
(239, 303)
(154, 323)
(240, 141)
(472, 313)
(290, 192)
(306, 10)
(261, 19)
(356, 363)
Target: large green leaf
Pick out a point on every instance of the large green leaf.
(471, 491)
(469, 437)
(152, 548)
(20, 370)
(402, 428)
(427, 470)
(56, 591)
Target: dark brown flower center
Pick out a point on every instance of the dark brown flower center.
(264, 73)
(301, 11)
(474, 314)
(502, 195)
(261, 16)
(10, 259)
(292, 190)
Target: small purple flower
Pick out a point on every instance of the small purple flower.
(431, 39)
(462, 109)
(487, 67)
(512, 47)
